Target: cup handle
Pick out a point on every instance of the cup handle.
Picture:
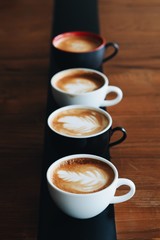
(123, 137)
(115, 47)
(127, 196)
(117, 99)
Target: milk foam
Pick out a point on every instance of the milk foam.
(88, 181)
(78, 43)
(82, 175)
(78, 124)
(79, 86)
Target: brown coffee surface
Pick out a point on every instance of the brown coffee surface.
(82, 175)
(77, 43)
(80, 82)
(79, 122)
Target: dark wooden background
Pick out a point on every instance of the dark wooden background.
(25, 30)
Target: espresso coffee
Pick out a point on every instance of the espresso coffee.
(79, 82)
(79, 122)
(77, 43)
(82, 175)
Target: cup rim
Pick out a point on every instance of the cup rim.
(50, 117)
(81, 155)
(79, 33)
(54, 80)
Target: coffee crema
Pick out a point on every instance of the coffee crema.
(82, 175)
(77, 43)
(79, 122)
(79, 82)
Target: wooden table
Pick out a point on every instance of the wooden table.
(24, 49)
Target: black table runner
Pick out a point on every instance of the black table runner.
(69, 15)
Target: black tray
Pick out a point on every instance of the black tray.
(70, 15)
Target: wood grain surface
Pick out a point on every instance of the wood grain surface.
(25, 28)
(135, 25)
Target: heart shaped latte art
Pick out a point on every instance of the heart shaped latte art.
(78, 86)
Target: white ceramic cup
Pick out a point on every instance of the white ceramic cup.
(88, 205)
(79, 94)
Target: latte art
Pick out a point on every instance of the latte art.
(80, 43)
(79, 125)
(78, 82)
(79, 86)
(87, 182)
(79, 122)
(82, 176)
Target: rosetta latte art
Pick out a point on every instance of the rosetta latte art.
(88, 181)
(79, 125)
(82, 175)
(79, 122)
